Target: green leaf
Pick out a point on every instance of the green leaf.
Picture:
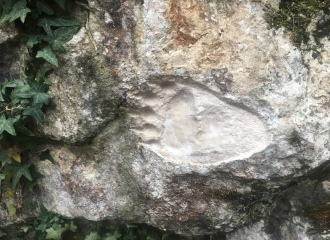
(61, 36)
(166, 236)
(42, 227)
(41, 98)
(22, 92)
(8, 5)
(1, 97)
(22, 130)
(7, 125)
(55, 233)
(4, 156)
(48, 55)
(2, 233)
(73, 228)
(8, 223)
(63, 21)
(20, 14)
(30, 206)
(61, 3)
(26, 228)
(12, 84)
(34, 112)
(44, 7)
(35, 174)
(11, 209)
(37, 87)
(46, 156)
(30, 186)
(109, 236)
(93, 236)
(2, 177)
(42, 73)
(19, 10)
(4, 18)
(32, 40)
(19, 171)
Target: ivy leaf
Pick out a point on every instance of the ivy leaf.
(93, 236)
(116, 235)
(62, 21)
(30, 206)
(30, 186)
(8, 5)
(61, 36)
(35, 174)
(44, 7)
(61, 3)
(12, 84)
(37, 87)
(73, 228)
(15, 153)
(4, 156)
(19, 171)
(10, 193)
(20, 13)
(32, 40)
(22, 130)
(166, 236)
(11, 209)
(8, 176)
(8, 223)
(26, 228)
(42, 227)
(19, 10)
(42, 73)
(48, 55)
(34, 112)
(2, 177)
(41, 98)
(46, 156)
(2, 233)
(1, 97)
(55, 233)
(7, 125)
(22, 92)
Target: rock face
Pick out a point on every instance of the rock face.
(189, 115)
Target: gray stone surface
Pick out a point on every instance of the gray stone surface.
(178, 114)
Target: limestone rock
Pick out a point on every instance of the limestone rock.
(11, 50)
(179, 114)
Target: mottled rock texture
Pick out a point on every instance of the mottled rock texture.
(178, 114)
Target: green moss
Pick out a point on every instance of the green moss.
(296, 15)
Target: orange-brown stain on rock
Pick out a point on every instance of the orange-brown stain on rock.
(182, 26)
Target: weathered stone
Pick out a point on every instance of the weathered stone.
(179, 114)
(11, 51)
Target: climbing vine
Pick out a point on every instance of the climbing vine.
(45, 27)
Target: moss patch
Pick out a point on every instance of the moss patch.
(296, 15)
